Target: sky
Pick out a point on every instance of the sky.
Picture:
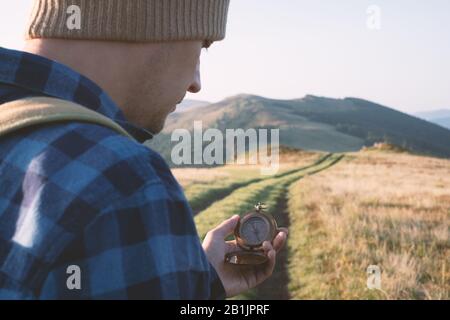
(393, 52)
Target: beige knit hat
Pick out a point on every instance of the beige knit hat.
(129, 20)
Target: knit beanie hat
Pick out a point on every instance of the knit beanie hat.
(129, 20)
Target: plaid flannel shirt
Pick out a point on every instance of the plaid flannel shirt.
(80, 194)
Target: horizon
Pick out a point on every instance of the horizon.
(415, 113)
(387, 52)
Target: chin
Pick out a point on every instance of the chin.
(157, 123)
(156, 128)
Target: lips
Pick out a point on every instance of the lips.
(181, 99)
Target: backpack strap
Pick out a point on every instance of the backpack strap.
(34, 111)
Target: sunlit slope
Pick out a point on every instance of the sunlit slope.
(315, 123)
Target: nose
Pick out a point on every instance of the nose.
(196, 85)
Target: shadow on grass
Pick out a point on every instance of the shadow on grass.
(206, 199)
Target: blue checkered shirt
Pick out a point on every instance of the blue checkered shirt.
(79, 194)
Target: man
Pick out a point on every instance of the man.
(79, 196)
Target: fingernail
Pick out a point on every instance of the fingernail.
(272, 254)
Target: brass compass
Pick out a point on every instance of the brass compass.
(252, 230)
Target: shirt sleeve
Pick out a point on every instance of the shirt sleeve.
(141, 244)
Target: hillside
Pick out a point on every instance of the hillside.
(316, 123)
(440, 117)
(188, 105)
(433, 114)
(443, 122)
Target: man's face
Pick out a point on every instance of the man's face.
(161, 75)
(146, 80)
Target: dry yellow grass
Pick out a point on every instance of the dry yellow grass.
(289, 159)
(374, 208)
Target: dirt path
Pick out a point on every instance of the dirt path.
(276, 287)
(224, 192)
(274, 192)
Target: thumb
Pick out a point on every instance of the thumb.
(226, 227)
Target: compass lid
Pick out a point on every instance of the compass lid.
(246, 257)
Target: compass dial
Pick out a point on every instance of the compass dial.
(252, 230)
(255, 230)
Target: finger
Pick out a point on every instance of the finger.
(285, 230)
(226, 227)
(260, 273)
(232, 246)
(267, 246)
(279, 241)
(269, 266)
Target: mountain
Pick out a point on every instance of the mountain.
(433, 114)
(443, 122)
(440, 117)
(187, 105)
(315, 123)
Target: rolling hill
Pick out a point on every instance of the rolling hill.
(188, 105)
(440, 117)
(443, 122)
(433, 114)
(315, 123)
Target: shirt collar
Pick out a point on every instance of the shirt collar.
(42, 76)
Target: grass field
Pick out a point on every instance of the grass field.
(390, 210)
(344, 212)
(204, 186)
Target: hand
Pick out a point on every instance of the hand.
(239, 278)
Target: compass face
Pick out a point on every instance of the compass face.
(255, 230)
